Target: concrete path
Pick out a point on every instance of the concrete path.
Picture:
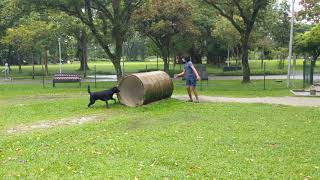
(289, 101)
(282, 77)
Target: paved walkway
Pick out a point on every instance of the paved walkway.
(289, 101)
(282, 77)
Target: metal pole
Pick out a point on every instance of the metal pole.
(228, 56)
(59, 40)
(43, 73)
(95, 76)
(294, 70)
(264, 77)
(95, 48)
(304, 71)
(157, 63)
(32, 56)
(123, 66)
(290, 44)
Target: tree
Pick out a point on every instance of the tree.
(104, 18)
(10, 13)
(280, 24)
(71, 26)
(309, 43)
(161, 20)
(30, 35)
(310, 10)
(226, 34)
(243, 15)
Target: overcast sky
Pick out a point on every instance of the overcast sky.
(297, 6)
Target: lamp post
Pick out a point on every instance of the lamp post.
(290, 44)
(95, 53)
(59, 40)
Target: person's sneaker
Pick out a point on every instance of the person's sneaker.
(196, 101)
(190, 100)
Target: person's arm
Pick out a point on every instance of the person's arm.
(195, 72)
(180, 74)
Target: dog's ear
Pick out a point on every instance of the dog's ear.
(116, 89)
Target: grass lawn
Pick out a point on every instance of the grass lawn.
(105, 67)
(168, 139)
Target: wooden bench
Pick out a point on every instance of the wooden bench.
(66, 78)
(232, 68)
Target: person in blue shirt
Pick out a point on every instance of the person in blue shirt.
(191, 76)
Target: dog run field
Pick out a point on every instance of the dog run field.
(168, 139)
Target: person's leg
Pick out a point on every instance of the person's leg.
(188, 84)
(194, 89)
(189, 93)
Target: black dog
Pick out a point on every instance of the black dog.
(102, 95)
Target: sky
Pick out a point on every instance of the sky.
(297, 6)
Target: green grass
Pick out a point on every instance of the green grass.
(163, 141)
(106, 67)
(168, 139)
(29, 103)
(234, 88)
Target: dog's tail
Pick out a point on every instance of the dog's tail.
(89, 89)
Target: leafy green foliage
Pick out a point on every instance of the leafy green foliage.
(310, 10)
(105, 19)
(242, 14)
(161, 20)
(309, 42)
(28, 36)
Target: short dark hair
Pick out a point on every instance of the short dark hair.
(187, 58)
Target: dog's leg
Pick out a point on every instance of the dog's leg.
(107, 104)
(115, 101)
(92, 101)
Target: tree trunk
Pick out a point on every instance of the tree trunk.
(245, 62)
(117, 66)
(165, 64)
(164, 54)
(195, 55)
(9, 60)
(19, 63)
(83, 52)
(116, 60)
(313, 65)
(46, 61)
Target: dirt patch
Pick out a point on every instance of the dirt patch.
(36, 98)
(52, 124)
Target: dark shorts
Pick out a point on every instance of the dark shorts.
(191, 82)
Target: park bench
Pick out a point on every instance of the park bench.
(231, 68)
(66, 78)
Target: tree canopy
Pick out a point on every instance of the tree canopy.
(309, 42)
(207, 29)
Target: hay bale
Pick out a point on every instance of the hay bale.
(143, 88)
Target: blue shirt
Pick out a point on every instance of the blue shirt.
(189, 73)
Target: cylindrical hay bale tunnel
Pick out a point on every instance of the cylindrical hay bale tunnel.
(143, 88)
